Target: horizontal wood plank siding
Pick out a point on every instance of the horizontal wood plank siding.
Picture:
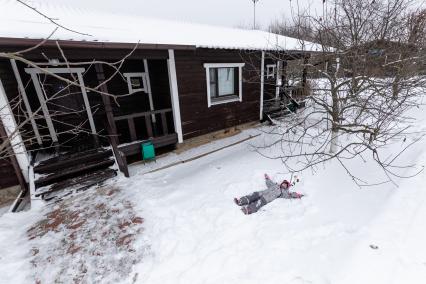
(197, 117)
(78, 53)
(7, 173)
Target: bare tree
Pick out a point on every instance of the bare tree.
(301, 30)
(368, 77)
(27, 121)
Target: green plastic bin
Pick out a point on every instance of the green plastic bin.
(148, 151)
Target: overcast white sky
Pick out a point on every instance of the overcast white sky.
(218, 12)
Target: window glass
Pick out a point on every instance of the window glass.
(226, 81)
(136, 82)
(213, 83)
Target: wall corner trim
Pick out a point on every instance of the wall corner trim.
(174, 92)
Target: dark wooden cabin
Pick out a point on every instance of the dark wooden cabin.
(168, 89)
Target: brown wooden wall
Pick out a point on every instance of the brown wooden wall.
(197, 118)
(7, 173)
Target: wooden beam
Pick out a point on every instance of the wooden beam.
(8, 130)
(148, 86)
(140, 114)
(111, 127)
(25, 99)
(132, 129)
(106, 100)
(305, 73)
(54, 70)
(135, 148)
(164, 123)
(148, 125)
(262, 83)
(44, 108)
(174, 92)
(277, 79)
(87, 104)
(14, 161)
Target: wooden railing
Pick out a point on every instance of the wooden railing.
(151, 123)
(110, 123)
(280, 103)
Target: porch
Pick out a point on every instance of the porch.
(130, 106)
(81, 129)
(289, 100)
(157, 130)
(285, 85)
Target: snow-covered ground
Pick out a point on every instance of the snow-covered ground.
(4, 208)
(194, 233)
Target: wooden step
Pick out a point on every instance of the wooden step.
(78, 169)
(76, 184)
(70, 160)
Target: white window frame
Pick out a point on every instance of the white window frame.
(239, 98)
(129, 77)
(270, 73)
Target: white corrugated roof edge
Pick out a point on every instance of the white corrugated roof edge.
(19, 22)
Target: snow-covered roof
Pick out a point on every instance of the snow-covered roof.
(18, 21)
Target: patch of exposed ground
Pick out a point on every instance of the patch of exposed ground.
(87, 238)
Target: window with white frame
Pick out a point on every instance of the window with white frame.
(270, 71)
(136, 82)
(224, 82)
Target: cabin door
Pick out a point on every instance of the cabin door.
(65, 106)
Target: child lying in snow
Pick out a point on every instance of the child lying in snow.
(253, 202)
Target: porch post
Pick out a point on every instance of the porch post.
(305, 73)
(87, 104)
(277, 80)
(106, 101)
(174, 94)
(12, 133)
(148, 86)
(22, 179)
(44, 107)
(25, 99)
(111, 127)
(262, 81)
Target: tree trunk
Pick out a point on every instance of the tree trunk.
(335, 120)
